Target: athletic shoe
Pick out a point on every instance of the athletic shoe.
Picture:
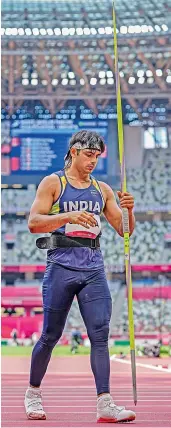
(33, 404)
(108, 411)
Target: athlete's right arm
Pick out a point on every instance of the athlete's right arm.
(39, 219)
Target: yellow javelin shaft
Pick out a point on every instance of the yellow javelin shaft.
(125, 211)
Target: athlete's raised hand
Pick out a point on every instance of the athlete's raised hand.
(83, 218)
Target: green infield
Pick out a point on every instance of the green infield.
(60, 351)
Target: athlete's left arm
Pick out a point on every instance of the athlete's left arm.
(113, 213)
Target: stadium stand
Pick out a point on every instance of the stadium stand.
(151, 184)
(147, 244)
(17, 200)
(149, 316)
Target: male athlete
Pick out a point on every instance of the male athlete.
(69, 204)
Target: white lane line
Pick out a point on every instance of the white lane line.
(83, 426)
(85, 398)
(149, 366)
(70, 393)
(126, 399)
(92, 413)
(63, 406)
(139, 406)
(89, 387)
(51, 373)
(137, 421)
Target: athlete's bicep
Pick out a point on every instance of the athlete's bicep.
(45, 196)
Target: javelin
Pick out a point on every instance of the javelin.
(125, 216)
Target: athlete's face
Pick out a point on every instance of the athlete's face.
(86, 160)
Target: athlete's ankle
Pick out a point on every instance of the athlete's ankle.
(103, 393)
(35, 387)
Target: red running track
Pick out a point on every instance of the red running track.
(69, 394)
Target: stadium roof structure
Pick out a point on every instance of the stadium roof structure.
(58, 50)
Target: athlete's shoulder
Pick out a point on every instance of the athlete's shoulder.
(53, 178)
(106, 189)
(49, 182)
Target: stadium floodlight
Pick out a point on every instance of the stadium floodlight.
(71, 75)
(140, 73)
(21, 31)
(168, 79)
(25, 75)
(102, 74)
(150, 80)
(57, 31)
(72, 82)
(49, 31)
(144, 28)
(93, 81)
(71, 31)
(54, 82)
(8, 31)
(82, 82)
(63, 75)
(149, 73)
(34, 75)
(159, 72)
(123, 29)
(65, 31)
(28, 31)
(138, 29)
(2, 31)
(141, 80)
(44, 82)
(14, 31)
(87, 31)
(150, 28)
(101, 30)
(131, 80)
(108, 30)
(109, 73)
(102, 81)
(79, 31)
(25, 82)
(121, 73)
(43, 31)
(164, 27)
(35, 31)
(157, 28)
(110, 81)
(64, 82)
(34, 82)
(131, 29)
(93, 31)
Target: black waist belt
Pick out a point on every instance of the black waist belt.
(58, 240)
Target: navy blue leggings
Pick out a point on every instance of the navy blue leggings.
(60, 285)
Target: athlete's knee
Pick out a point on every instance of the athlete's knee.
(99, 334)
(49, 337)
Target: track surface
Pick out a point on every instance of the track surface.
(69, 394)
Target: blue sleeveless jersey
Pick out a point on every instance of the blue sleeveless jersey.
(73, 199)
